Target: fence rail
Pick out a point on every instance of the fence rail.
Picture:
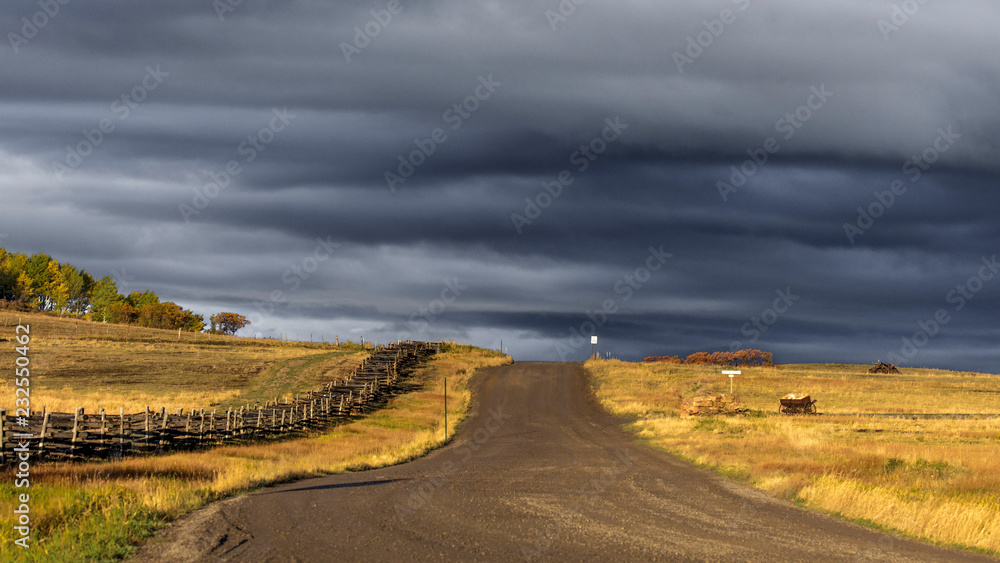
(81, 436)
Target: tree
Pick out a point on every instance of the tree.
(121, 312)
(102, 296)
(169, 316)
(79, 283)
(228, 323)
(138, 299)
(39, 274)
(8, 275)
(25, 289)
(69, 288)
(14, 269)
(192, 322)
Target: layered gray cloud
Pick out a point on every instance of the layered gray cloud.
(490, 171)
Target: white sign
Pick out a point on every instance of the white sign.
(731, 373)
(593, 340)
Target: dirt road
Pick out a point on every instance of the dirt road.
(537, 472)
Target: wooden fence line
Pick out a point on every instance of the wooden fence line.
(81, 436)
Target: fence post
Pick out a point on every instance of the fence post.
(76, 429)
(163, 428)
(45, 428)
(145, 438)
(3, 420)
(121, 428)
(201, 429)
(104, 423)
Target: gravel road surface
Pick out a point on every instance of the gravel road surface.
(538, 472)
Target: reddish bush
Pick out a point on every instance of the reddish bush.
(700, 358)
(748, 357)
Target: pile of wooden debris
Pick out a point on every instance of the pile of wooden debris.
(713, 404)
(879, 367)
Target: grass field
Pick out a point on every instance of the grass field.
(94, 365)
(99, 511)
(933, 479)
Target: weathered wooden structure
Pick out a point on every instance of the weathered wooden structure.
(713, 404)
(109, 435)
(797, 403)
(880, 367)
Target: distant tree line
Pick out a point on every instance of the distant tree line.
(42, 283)
(747, 357)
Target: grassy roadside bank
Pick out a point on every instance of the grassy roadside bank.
(98, 511)
(933, 479)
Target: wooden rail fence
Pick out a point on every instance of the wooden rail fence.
(81, 436)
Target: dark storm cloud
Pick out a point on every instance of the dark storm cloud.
(851, 108)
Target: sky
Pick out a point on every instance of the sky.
(814, 179)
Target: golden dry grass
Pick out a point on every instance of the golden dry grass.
(77, 363)
(934, 479)
(98, 510)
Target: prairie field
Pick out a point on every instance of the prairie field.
(873, 455)
(76, 363)
(100, 511)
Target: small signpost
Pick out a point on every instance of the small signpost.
(593, 347)
(732, 374)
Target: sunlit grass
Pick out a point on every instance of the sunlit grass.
(935, 479)
(77, 363)
(98, 510)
